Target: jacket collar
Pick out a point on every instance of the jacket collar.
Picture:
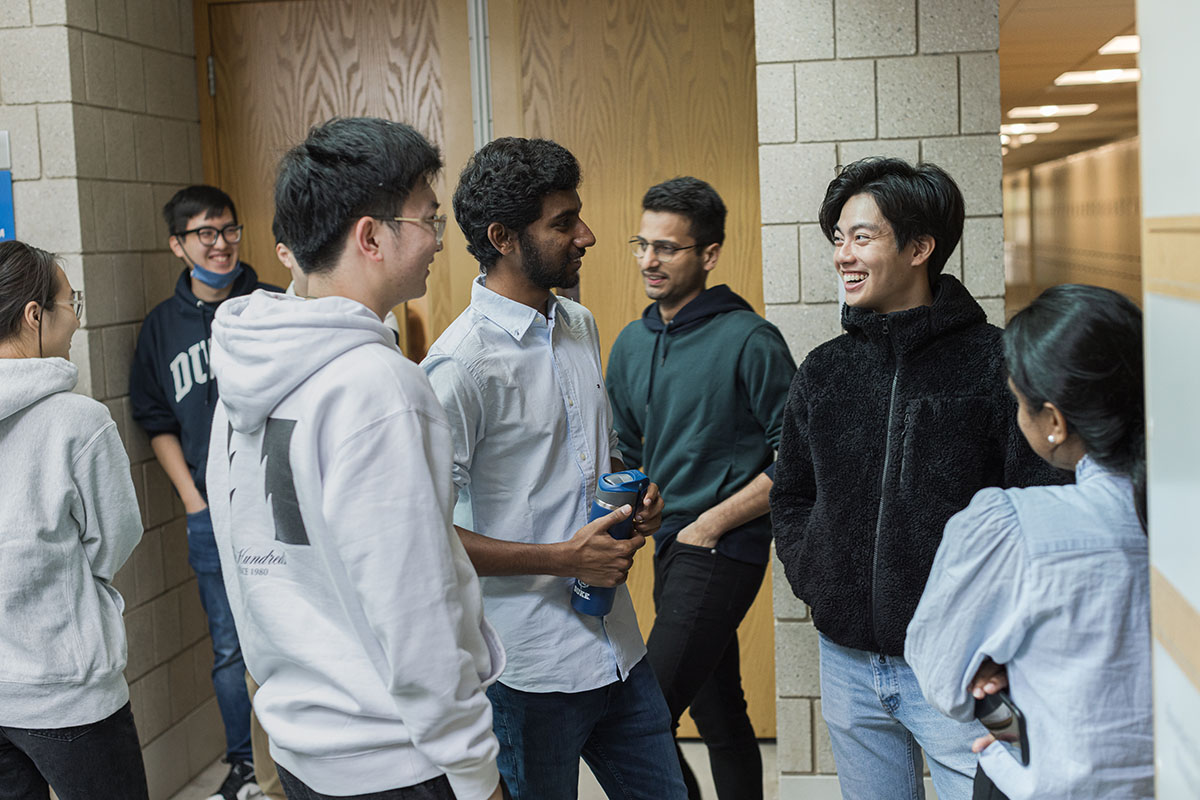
(953, 308)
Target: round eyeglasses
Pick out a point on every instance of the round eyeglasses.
(664, 250)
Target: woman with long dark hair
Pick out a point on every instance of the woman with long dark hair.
(1045, 590)
(68, 520)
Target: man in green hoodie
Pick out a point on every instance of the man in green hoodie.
(697, 388)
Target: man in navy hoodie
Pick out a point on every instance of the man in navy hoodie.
(697, 388)
(174, 395)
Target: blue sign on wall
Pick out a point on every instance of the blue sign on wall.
(6, 207)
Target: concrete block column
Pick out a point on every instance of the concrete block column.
(839, 80)
(99, 99)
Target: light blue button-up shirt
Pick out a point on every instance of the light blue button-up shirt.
(532, 434)
(1053, 582)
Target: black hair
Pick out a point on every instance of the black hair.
(26, 273)
(506, 181)
(277, 230)
(1080, 348)
(692, 198)
(192, 200)
(918, 201)
(348, 168)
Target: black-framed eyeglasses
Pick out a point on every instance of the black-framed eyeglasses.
(208, 234)
(437, 222)
(664, 250)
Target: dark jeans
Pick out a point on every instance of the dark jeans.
(622, 731)
(98, 761)
(700, 597)
(229, 670)
(984, 789)
(433, 789)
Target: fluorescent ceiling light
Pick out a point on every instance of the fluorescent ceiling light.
(1027, 138)
(1033, 112)
(1097, 76)
(1121, 44)
(1018, 128)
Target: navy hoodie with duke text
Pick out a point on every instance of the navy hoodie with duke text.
(171, 386)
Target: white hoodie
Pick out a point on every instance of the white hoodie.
(358, 611)
(68, 520)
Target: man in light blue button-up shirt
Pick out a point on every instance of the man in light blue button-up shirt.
(520, 378)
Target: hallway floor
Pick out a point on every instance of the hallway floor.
(693, 751)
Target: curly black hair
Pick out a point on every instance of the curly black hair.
(505, 182)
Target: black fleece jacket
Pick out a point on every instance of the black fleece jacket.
(889, 430)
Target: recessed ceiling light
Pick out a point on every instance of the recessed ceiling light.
(1033, 112)
(1018, 128)
(1098, 76)
(1121, 44)
(1027, 138)
(1003, 151)
(1004, 138)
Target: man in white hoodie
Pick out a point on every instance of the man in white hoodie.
(330, 481)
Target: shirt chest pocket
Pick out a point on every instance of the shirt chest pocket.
(950, 448)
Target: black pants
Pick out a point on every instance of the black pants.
(984, 788)
(700, 597)
(98, 761)
(433, 789)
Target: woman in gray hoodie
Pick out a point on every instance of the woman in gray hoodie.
(68, 521)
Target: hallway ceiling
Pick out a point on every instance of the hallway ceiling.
(1040, 40)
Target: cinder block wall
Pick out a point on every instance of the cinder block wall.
(839, 80)
(99, 98)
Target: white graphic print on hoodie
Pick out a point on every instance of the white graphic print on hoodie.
(68, 520)
(358, 611)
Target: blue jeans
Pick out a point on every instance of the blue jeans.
(622, 731)
(879, 722)
(229, 670)
(83, 762)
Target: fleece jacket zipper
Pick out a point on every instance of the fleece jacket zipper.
(887, 458)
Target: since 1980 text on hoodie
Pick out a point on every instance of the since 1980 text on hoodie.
(359, 613)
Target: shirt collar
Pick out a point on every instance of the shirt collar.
(515, 318)
(1087, 468)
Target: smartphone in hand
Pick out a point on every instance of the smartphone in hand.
(1000, 715)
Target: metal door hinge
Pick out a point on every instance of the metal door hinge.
(212, 78)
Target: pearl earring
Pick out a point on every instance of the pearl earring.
(1052, 439)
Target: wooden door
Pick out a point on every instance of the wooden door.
(280, 67)
(642, 92)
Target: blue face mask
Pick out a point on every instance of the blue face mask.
(217, 280)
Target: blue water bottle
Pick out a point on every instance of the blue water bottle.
(615, 489)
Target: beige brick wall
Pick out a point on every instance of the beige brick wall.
(839, 80)
(99, 99)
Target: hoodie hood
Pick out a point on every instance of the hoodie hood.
(25, 381)
(709, 303)
(264, 345)
(243, 284)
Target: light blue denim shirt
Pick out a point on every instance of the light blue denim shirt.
(1053, 582)
(532, 434)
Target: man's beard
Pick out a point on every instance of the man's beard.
(540, 272)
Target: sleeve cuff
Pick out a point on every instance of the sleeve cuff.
(476, 784)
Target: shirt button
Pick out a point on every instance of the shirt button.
(583, 456)
(570, 402)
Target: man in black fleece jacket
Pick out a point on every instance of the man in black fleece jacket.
(889, 430)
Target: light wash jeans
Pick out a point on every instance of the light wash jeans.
(879, 723)
(229, 670)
